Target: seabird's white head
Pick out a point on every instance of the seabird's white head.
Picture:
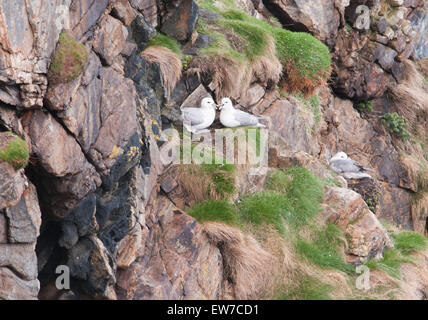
(226, 103)
(208, 103)
(340, 155)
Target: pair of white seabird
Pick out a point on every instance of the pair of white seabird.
(197, 120)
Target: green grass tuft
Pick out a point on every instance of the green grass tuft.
(15, 153)
(324, 250)
(69, 60)
(390, 263)
(408, 242)
(215, 210)
(167, 42)
(309, 56)
(266, 207)
(293, 196)
(222, 176)
(302, 190)
(308, 288)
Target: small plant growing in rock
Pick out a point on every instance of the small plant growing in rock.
(396, 124)
(14, 151)
(186, 60)
(69, 60)
(364, 108)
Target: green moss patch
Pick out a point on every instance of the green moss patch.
(167, 42)
(306, 60)
(324, 250)
(308, 288)
(215, 210)
(15, 152)
(69, 60)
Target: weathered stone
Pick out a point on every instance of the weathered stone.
(122, 10)
(148, 8)
(385, 56)
(25, 218)
(84, 14)
(57, 152)
(3, 229)
(109, 38)
(29, 34)
(366, 235)
(252, 96)
(381, 25)
(62, 159)
(14, 288)
(286, 122)
(358, 78)
(12, 185)
(20, 258)
(128, 247)
(318, 17)
(395, 206)
(118, 122)
(142, 32)
(181, 20)
(165, 273)
(59, 95)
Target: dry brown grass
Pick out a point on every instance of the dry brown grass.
(247, 266)
(410, 99)
(295, 82)
(423, 67)
(169, 63)
(232, 78)
(195, 185)
(414, 283)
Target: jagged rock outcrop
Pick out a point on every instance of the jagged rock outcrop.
(367, 59)
(96, 195)
(365, 234)
(20, 221)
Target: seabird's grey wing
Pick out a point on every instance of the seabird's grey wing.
(344, 165)
(362, 168)
(245, 119)
(193, 115)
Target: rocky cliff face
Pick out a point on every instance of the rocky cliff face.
(96, 196)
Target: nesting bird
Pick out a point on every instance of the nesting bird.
(349, 168)
(231, 117)
(197, 120)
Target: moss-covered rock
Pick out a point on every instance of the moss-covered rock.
(13, 150)
(69, 60)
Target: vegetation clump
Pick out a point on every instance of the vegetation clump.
(69, 60)
(364, 108)
(165, 41)
(215, 210)
(406, 243)
(308, 288)
(261, 49)
(324, 249)
(396, 124)
(15, 152)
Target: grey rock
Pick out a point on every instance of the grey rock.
(142, 32)
(25, 218)
(181, 21)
